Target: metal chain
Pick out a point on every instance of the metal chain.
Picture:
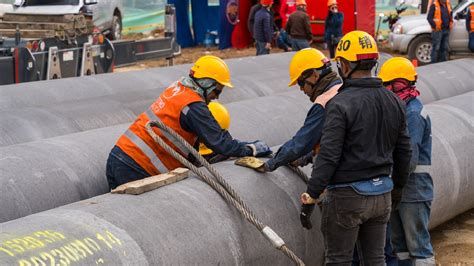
(221, 186)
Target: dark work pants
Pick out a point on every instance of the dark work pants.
(349, 217)
(122, 169)
(439, 47)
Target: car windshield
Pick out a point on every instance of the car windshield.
(51, 2)
(458, 6)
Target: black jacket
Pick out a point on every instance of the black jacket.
(298, 26)
(364, 136)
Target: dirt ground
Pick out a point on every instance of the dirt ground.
(453, 241)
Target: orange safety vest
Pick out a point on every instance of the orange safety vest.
(139, 145)
(471, 8)
(437, 15)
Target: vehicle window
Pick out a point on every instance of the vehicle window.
(458, 6)
(51, 2)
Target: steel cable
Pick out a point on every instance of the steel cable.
(221, 186)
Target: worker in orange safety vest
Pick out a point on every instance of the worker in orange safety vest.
(441, 21)
(182, 107)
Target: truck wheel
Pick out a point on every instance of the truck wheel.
(116, 30)
(420, 49)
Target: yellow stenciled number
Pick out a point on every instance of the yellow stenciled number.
(7, 251)
(46, 256)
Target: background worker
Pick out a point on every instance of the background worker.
(410, 217)
(251, 19)
(299, 28)
(311, 70)
(263, 28)
(333, 27)
(441, 22)
(470, 26)
(182, 107)
(364, 141)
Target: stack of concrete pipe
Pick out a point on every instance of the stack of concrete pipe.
(188, 223)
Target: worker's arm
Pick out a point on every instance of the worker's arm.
(416, 129)
(268, 29)
(468, 20)
(402, 155)
(430, 16)
(198, 119)
(307, 26)
(303, 141)
(288, 25)
(332, 142)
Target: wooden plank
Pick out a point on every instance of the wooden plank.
(33, 26)
(69, 18)
(29, 34)
(151, 183)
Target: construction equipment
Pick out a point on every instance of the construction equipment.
(61, 46)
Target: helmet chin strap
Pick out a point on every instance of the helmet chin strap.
(353, 69)
(205, 90)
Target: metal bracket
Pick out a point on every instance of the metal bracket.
(87, 65)
(54, 66)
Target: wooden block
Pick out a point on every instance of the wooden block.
(153, 182)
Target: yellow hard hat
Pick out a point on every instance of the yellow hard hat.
(306, 59)
(396, 68)
(213, 67)
(222, 116)
(357, 45)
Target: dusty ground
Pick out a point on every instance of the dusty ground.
(453, 241)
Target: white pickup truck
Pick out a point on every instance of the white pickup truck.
(412, 34)
(106, 14)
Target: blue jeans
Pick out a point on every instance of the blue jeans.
(410, 236)
(298, 44)
(439, 48)
(261, 50)
(122, 169)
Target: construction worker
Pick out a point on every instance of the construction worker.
(441, 21)
(311, 71)
(299, 28)
(333, 27)
(263, 28)
(182, 107)
(410, 217)
(364, 151)
(470, 26)
(222, 116)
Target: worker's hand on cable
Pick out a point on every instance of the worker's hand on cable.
(259, 148)
(303, 160)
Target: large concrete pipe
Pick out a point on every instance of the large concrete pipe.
(453, 151)
(252, 77)
(444, 80)
(20, 125)
(186, 223)
(44, 174)
(244, 71)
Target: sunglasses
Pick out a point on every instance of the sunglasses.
(302, 80)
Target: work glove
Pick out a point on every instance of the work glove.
(396, 197)
(259, 148)
(263, 169)
(305, 215)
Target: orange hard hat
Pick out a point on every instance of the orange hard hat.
(300, 2)
(332, 2)
(266, 2)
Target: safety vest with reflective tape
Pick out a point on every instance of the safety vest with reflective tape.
(139, 145)
(437, 15)
(471, 10)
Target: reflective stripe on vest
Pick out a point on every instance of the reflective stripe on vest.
(471, 9)
(422, 169)
(437, 14)
(179, 145)
(146, 150)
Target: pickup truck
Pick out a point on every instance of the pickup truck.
(412, 35)
(106, 14)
